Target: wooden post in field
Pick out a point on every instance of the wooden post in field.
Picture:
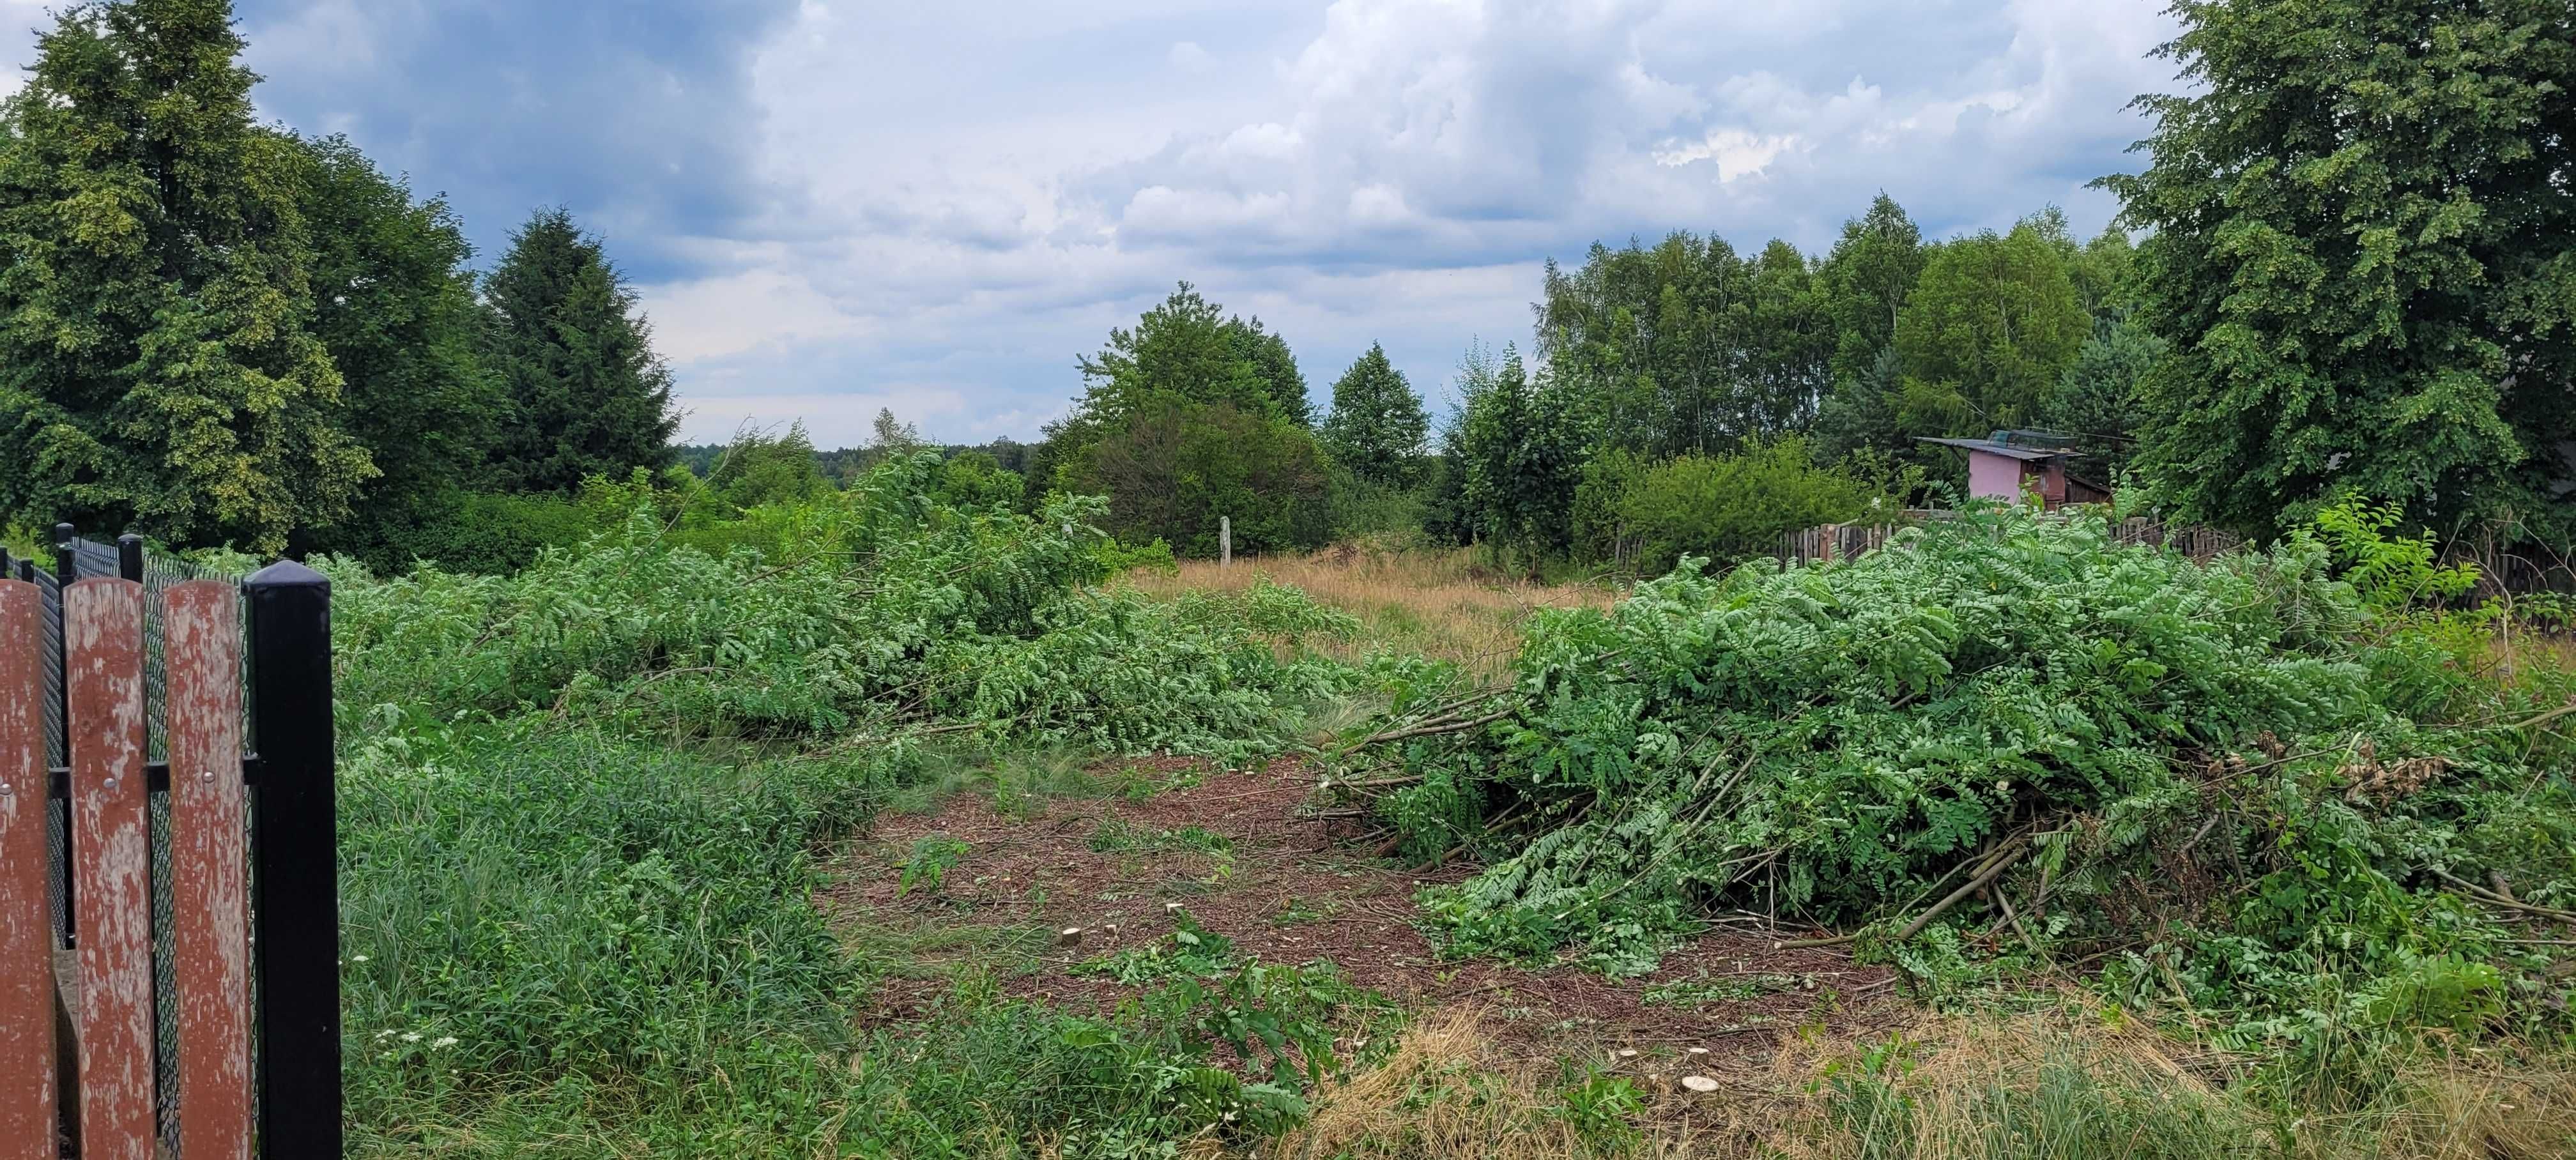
(1225, 541)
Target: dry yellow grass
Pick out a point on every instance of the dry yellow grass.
(1439, 603)
(2047, 1084)
(1448, 1092)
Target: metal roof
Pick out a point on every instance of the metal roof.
(1999, 447)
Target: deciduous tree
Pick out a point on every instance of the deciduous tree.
(158, 367)
(2364, 257)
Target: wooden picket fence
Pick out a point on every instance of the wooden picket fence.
(128, 1021)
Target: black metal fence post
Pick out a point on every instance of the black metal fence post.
(129, 557)
(66, 570)
(295, 867)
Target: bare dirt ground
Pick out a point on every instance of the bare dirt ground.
(1292, 890)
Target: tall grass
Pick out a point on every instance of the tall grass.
(1439, 603)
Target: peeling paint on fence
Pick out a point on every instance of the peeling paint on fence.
(27, 1082)
(208, 859)
(111, 865)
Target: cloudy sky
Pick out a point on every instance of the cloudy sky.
(834, 205)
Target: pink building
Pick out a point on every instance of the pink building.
(2010, 464)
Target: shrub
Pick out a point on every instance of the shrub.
(1173, 469)
(1736, 507)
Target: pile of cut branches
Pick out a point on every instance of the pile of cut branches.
(2009, 722)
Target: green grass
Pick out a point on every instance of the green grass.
(560, 943)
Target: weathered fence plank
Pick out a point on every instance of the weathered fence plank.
(209, 856)
(27, 1080)
(111, 866)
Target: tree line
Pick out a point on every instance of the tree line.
(214, 331)
(2347, 270)
(2344, 269)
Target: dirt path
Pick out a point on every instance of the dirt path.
(1231, 849)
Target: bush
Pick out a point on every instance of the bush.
(479, 533)
(1367, 510)
(1736, 507)
(1173, 469)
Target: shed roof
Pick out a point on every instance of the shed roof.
(2000, 446)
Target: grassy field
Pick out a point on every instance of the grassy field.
(1439, 603)
(980, 852)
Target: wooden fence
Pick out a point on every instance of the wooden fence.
(169, 962)
(1831, 542)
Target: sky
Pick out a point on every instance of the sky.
(830, 206)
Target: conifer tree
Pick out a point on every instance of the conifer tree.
(588, 395)
(1378, 425)
(156, 367)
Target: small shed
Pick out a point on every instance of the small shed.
(2007, 464)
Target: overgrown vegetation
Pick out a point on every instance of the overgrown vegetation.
(584, 805)
(2280, 795)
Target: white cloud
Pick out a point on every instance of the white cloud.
(1738, 153)
(935, 207)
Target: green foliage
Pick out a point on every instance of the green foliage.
(1865, 281)
(2097, 398)
(1688, 346)
(1383, 512)
(1173, 470)
(1988, 330)
(1736, 507)
(2395, 573)
(1377, 425)
(1189, 418)
(1598, 1107)
(1521, 450)
(1184, 350)
(588, 396)
(1836, 741)
(2362, 252)
(884, 610)
(394, 305)
(758, 469)
(933, 856)
(158, 366)
(975, 480)
(480, 533)
(572, 893)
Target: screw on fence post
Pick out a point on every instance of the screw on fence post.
(294, 863)
(129, 557)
